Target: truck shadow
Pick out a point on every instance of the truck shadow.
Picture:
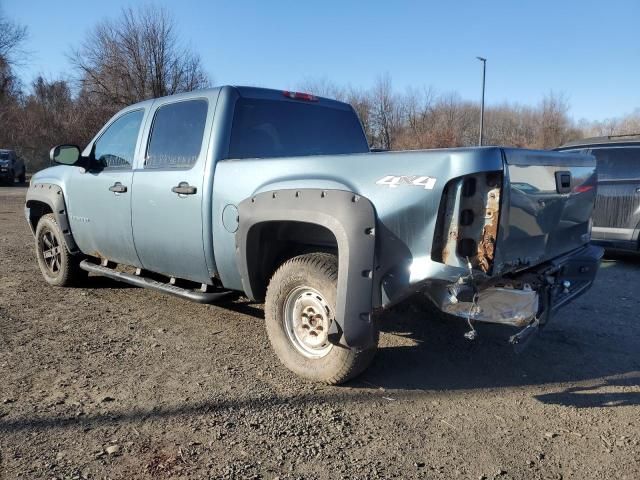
(595, 338)
(421, 353)
(599, 395)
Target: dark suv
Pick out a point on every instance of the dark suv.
(616, 216)
(11, 167)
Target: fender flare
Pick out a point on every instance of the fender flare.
(352, 220)
(51, 195)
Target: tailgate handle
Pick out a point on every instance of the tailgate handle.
(563, 182)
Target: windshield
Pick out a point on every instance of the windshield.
(276, 128)
(4, 155)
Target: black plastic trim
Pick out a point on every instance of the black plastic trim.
(352, 220)
(145, 282)
(51, 195)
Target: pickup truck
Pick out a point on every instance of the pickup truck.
(276, 195)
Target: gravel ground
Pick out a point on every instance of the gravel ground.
(116, 382)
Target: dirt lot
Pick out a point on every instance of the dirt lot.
(115, 382)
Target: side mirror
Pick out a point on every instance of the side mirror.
(65, 154)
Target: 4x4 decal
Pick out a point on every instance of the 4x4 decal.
(394, 181)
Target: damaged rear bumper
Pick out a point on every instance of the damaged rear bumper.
(528, 297)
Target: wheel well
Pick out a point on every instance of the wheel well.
(273, 243)
(37, 210)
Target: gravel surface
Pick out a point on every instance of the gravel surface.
(109, 381)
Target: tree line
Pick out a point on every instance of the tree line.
(139, 55)
(134, 57)
(425, 118)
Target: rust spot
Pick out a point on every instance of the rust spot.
(487, 243)
(450, 245)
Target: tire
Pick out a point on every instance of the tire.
(59, 268)
(22, 178)
(299, 307)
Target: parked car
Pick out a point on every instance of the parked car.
(616, 216)
(11, 167)
(276, 195)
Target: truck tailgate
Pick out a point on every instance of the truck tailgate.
(547, 202)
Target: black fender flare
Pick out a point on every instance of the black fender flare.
(352, 220)
(51, 195)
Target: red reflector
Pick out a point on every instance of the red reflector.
(307, 97)
(583, 188)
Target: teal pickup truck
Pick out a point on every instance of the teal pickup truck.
(275, 195)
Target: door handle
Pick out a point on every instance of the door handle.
(183, 188)
(117, 188)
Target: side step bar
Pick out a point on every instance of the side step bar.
(193, 295)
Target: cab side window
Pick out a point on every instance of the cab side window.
(117, 145)
(176, 135)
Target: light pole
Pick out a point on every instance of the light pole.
(484, 71)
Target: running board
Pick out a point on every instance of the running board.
(193, 295)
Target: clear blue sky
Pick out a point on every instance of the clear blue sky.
(589, 50)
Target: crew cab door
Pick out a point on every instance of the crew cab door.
(167, 205)
(99, 200)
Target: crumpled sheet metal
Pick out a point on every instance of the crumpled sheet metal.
(508, 306)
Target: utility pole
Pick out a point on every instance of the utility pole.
(484, 71)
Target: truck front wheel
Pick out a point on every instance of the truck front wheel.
(299, 309)
(58, 266)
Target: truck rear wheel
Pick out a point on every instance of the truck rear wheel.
(299, 309)
(58, 266)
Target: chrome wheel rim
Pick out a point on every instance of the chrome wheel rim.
(51, 252)
(307, 318)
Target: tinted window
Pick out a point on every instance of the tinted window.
(272, 128)
(617, 163)
(176, 136)
(116, 146)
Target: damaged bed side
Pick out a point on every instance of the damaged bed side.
(522, 236)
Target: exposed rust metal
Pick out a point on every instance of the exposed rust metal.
(487, 243)
(450, 245)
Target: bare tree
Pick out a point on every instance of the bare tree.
(322, 87)
(554, 121)
(361, 102)
(136, 57)
(12, 38)
(386, 114)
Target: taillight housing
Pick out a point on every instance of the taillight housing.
(468, 220)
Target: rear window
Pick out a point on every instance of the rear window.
(271, 128)
(617, 163)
